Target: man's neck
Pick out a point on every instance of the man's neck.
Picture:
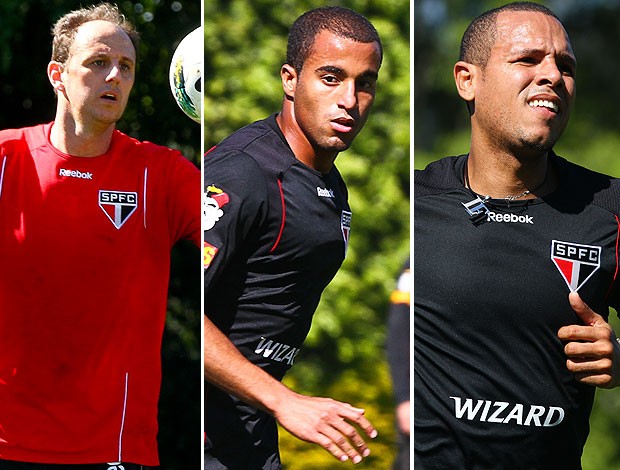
(71, 138)
(301, 147)
(502, 175)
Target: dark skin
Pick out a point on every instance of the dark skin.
(521, 101)
(591, 349)
(324, 108)
(326, 104)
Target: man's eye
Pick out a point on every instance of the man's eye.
(567, 70)
(366, 84)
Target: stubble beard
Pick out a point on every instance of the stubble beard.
(330, 146)
(533, 144)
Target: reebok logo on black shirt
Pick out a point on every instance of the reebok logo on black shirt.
(324, 192)
(511, 218)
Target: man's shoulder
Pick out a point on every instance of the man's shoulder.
(590, 186)
(575, 170)
(124, 142)
(438, 176)
(257, 145)
(22, 131)
(244, 138)
(23, 138)
(154, 154)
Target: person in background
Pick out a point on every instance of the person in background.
(398, 348)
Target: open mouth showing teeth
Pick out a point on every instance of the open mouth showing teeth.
(109, 96)
(544, 104)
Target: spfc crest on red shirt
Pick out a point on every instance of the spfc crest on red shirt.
(577, 263)
(345, 225)
(118, 205)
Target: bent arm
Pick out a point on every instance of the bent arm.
(323, 421)
(226, 368)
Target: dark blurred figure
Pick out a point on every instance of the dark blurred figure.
(398, 347)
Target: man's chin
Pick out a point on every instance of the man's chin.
(541, 144)
(108, 119)
(336, 144)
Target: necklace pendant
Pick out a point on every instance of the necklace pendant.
(477, 210)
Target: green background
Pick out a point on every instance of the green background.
(344, 355)
(245, 43)
(441, 125)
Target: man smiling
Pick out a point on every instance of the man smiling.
(513, 245)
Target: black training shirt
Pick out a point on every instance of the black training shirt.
(276, 232)
(491, 387)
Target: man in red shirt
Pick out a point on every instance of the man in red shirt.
(88, 217)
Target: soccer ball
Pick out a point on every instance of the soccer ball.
(186, 74)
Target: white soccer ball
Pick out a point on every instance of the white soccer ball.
(186, 74)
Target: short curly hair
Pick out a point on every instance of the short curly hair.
(338, 20)
(64, 29)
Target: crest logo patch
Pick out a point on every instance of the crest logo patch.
(576, 263)
(208, 253)
(215, 199)
(345, 225)
(118, 205)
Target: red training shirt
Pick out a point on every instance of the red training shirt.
(85, 254)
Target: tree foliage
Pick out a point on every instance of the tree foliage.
(245, 43)
(441, 125)
(152, 114)
(343, 357)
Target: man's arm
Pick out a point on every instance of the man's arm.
(323, 421)
(593, 354)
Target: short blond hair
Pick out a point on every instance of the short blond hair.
(64, 29)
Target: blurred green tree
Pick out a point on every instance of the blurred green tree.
(343, 357)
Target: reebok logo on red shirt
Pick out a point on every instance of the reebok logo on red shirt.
(75, 174)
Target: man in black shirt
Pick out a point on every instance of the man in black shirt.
(515, 251)
(277, 224)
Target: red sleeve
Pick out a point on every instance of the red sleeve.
(184, 201)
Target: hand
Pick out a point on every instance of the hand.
(328, 423)
(592, 350)
(323, 421)
(403, 417)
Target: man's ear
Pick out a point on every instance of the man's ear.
(54, 74)
(288, 74)
(465, 77)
